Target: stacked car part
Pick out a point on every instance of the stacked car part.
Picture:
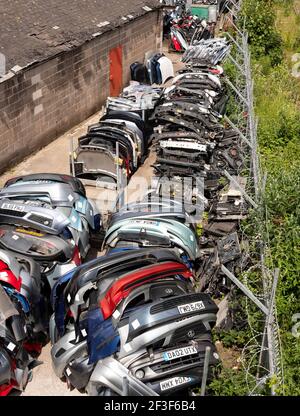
(133, 313)
(24, 319)
(186, 132)
(160, 68)
(192, 142)
(47, 217)
(46, 227)
(207, 51)
(118, 144)
(184, 29)
(118, 327)
(115, 314)
(131, 322)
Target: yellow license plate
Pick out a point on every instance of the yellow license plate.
(33, 233)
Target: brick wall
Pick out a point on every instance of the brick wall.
(39, 104)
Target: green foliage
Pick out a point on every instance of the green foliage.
(291, 354)
(229, 383)
(279, 135)
(260, 23)
(279, 118)
(283, 224)
(233, 337)
(277, 102)
(231, 72)
(283, 187)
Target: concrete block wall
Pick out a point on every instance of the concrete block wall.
(39, 104)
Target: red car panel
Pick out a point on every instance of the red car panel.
(123, 287)
(7, 276)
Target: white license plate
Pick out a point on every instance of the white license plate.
(179, 352)
(191, 307)
(174, 382)
(146, 222)
(12, 207)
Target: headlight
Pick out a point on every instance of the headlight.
(140, 374)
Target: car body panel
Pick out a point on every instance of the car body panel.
(171, 230)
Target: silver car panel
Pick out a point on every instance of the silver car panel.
(65, 350)
(16, 212)
(110, 374)
(147, 361)
(55, 193)
(171, 230)
(156, 334)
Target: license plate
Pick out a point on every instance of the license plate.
(33, 233)
(191, 307)
(12, 207)
(179, 352)
(174, 382)
(146, 222)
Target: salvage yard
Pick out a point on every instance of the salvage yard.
(182, 112)
(44, 381)
(148, 239)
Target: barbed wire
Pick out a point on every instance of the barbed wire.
(266, 342)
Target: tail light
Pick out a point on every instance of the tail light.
(7, 276)
(176, 43)
(76, 259)
(3, 266)
(5, 389)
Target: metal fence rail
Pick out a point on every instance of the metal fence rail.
(264, 351)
